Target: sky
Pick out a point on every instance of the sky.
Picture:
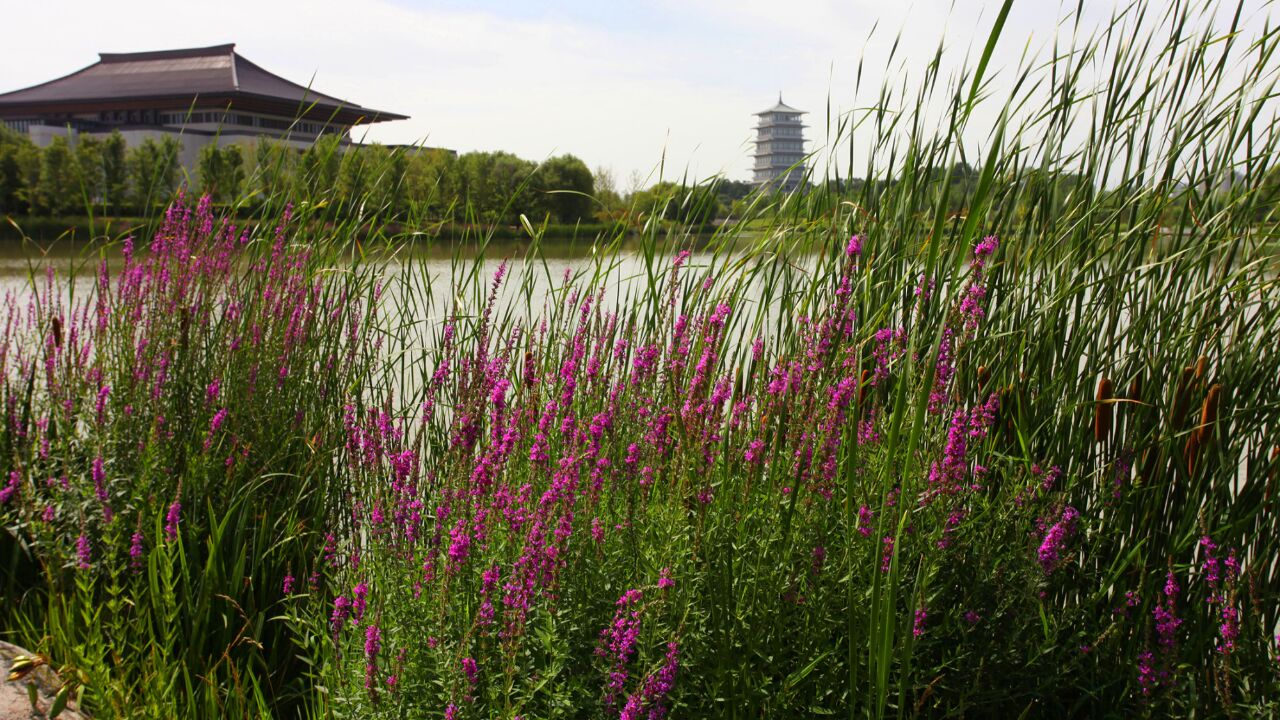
(640, 88)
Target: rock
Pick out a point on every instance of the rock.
(15, 703)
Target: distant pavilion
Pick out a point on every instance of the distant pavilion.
(779, 156)
(196, 95)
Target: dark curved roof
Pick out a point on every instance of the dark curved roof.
(216, 76)
(782, 107)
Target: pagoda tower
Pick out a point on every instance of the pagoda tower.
(779, 156)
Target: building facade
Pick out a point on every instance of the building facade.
(197, 96)
(779, 155)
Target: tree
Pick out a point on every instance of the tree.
(115, 171)
(390, 183)
(609, 204)
(354, 177)
(564, 186)
(318, 169)
(153, 171)
(496, 185)
(695, 205)
(221, 171)
(57, 190)
(432, 182)
(275, 165)
(89, 171)
(13, 183)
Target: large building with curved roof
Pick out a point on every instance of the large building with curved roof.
(197, 95)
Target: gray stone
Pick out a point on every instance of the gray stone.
(15, 703)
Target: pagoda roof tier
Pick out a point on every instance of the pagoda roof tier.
(782, 107)
(215, 76)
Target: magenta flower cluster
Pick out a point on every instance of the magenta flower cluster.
(1053, 548)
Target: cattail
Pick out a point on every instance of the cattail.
(1202, 368)
(57, 332)
(983, 376)
(1191, 453)
(1004, 414)
(1181, 398)
(863, 384)
(1208, 415)
(1135, 390)
(1102, 411)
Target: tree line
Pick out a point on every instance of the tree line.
(107, 176)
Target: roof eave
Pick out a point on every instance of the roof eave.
(248, 102)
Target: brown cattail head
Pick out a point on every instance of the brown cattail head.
(1202, 368)
(57, 332)
(983, 376)
(1102, 411)
(863, 384)
(1135, 389)
(1208, 415)
(1181, 398)
(1192, 452)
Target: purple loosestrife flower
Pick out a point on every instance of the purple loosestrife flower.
(854, 247)
(100, 405)
(99, 479)
(866, 520)
(82, 552)
(1212, 567)
(471, 671)
(372, 646)
(451, 712)
(944, 370)
(653, 693)
(359, 599)
(215, 424)
(921, 617)
(982, 251)
(460, 544)
(886, 559)
(891, 344)
(618, 643)
(1051, 550)
(11, 489)
(971, 309)
(136, 552)
(1229, 629)
(972, 617)
(171, 521)
(288, 585)
(664, 579)
(341, 609)
(1165, 614)
(1146, 672)
(924, 290)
